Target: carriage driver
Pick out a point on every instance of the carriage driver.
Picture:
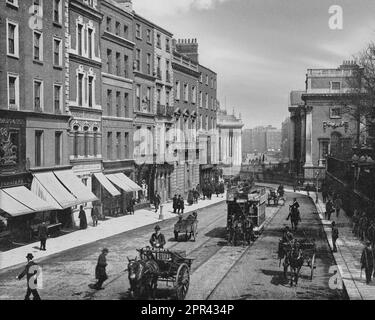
(157, 240)
(287, 235)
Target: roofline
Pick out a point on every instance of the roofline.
(151, 24)
(115, 4)
(201, 65)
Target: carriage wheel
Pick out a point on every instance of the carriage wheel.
(182, 281)
(312, 266)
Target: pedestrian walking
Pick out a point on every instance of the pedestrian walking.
(338, 205)
(335, 235)
(94, 216)
(182, 205)
(370, 234)
(329, 209)
(367, 261)
(100, 269)
(43, 235)
(31, 270)
(175, 199)
(363, 222)
(82, 219)
(157, 201)
(178, 204)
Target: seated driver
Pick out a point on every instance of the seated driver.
(157, 240)
(287, 235)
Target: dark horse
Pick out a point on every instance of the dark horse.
(293, 258)
(143, 277)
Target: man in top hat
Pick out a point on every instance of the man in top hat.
(31, 271)
(100, 272)
(367, 261)
(157, 240)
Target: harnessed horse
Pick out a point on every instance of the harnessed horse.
(293, 258)
(143, 277)
(294, 216)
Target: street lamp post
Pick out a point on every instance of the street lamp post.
(317, 186)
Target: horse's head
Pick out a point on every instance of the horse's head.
(135, 268)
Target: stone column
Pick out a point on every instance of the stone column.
(308, 161)
(303, 135)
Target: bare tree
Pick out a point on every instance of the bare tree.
(359, 100)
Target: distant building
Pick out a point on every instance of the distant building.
(273, 139)
(285, 139)
(230, 145)
(247, 142)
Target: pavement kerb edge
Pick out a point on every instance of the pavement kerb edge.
(22, 264)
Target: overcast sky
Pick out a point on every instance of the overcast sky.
(261, 49)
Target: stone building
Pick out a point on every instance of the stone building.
(230, 142)
(326, 128)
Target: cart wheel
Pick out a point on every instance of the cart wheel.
(312, 266)
(176, 235)
(182, 281)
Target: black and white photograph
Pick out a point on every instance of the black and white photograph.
(205, 151)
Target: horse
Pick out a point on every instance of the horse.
(294, 216)
(143, 277)
(294, 260)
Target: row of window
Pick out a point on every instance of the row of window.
(38, 94)
(121, 145)
(185, 92)
(39, 11)
(122, 104)
(138, 34)
(120, 66)
(12, 31)
(117, 28)
(207, 81)
(148, 70)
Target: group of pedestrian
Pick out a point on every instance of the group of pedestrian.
(178, 204)
(333, 204)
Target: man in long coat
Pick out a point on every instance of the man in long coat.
(82, 218)
(100, 269)
(30, 271)
(175, 199)
(43, 234)
(367, 261)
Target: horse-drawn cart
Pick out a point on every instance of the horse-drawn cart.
(188, 226)
(171, 267)
(295, 255)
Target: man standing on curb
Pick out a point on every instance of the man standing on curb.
(43, 234)
(329, 209)
(335, 235)
(367, 261)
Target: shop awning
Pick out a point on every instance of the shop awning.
(47, 187)
(118, 181)
(75, 186)
(12, 207)
(129, 182)
(107, 184)
(28, 199)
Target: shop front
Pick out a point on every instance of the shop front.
(62, 190)
(115, 188)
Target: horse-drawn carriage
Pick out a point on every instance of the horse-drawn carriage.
(246, 214)
(188, 226)
(155, 266)
(296, 254)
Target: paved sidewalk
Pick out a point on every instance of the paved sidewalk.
(349, 250)
(104, 230)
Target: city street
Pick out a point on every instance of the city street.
(245, 272)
